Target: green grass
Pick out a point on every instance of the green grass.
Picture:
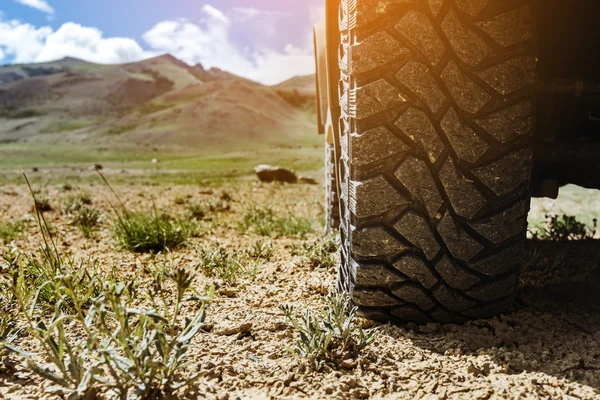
(87, 219)
(263, 220)
(319, 254)
(11, 230)
(564, 228)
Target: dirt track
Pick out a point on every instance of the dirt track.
(547, 348)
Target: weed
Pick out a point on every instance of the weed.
(319, 254)
(261, 251)
(226, 265)
(226, 196)
(76, 202)
(218, 205)
(144, 232)
(42, 204)
(565, 228)
(264, 222)
(97, 338)
(328, 336)
(196, 210)
(11, 230)
(86, 219)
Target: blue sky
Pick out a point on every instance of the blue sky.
(265, 40)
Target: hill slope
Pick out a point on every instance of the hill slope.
(156, 102)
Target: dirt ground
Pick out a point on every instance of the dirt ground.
(548, 347)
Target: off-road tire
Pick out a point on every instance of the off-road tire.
(437, 102)
(332, 204)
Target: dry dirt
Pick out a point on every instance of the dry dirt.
(548, 347)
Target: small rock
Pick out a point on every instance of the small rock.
(236, 329)
(269, 173)
(307, 180)
(35, 169)
(155, 161)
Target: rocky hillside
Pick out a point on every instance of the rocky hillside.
(157, 102)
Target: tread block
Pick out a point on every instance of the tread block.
(462, 246)
(446, 317)
(374, 298)
(468, 47)
(375, 98)
(509, 123)
(472, 7)
(417, 178)
(416, 269)
(466, 93)
(509, 28)
(411, 314)
(375, 145)
(465, 199)
(418, 78)
(415, 124)
(375, 51)
(455, 276)
(505, 225)
(371, 276)
(368, 11)
(374, 197)
(415, 229)
(511, 75)
(500, 262)
(435, 6)
(465, 142)
(506, 174)
(496, 289)
(417, 29)
(415, 295)
(452, 299)
(375, 242)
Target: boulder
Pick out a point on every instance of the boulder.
(269, 173)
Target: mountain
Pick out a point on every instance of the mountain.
(157, 102)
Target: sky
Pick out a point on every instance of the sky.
(268, 41)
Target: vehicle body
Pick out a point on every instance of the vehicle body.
(444, 118)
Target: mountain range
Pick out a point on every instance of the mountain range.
(153, 103)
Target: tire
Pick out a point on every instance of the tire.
(332, 205)
(437, 104)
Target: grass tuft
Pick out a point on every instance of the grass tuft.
(328, 336)
(319, 254)
(263, 221)
(11, 230)
(86, 219)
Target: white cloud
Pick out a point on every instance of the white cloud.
(41, 5)
(210, 44)
(25, 43)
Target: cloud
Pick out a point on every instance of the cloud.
(41, 5)
(210, 43)
(25, 43)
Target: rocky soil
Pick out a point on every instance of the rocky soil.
(548, 347)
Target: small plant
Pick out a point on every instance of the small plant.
(218, 205)
(11, 230)
(318, 254)
(148, 232)
(328, 336)
(565, 228)
(42, 204)
(197, 210)
(223, 264)
(261, 251)
(264, 222)
(76, 202)
(86, 219)
(226, 196)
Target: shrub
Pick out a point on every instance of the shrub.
(565, 227)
